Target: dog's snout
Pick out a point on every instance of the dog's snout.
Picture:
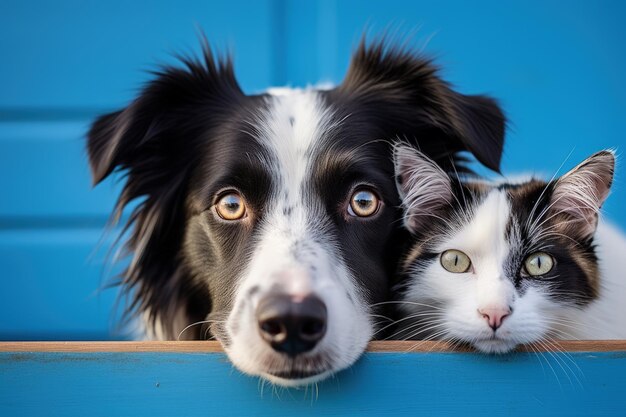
(289, 325)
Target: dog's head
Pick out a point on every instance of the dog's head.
(271, 216)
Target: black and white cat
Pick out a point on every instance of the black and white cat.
(497, 265)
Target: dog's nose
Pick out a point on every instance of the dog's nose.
(289, 325)
(494, 315)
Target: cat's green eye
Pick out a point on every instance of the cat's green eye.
(455, 261)
(538, 263)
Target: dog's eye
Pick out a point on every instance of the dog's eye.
(455, 261)
(363, 203)
(231, 207)
(539, 263)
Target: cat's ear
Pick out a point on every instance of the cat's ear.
(424, 187)
(579, 194)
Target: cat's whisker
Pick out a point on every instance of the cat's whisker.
(543, 351)
(429, 339)
(547, 186)
(421, 340)
(413, 303)
(453, 342)
(552, 348)
(559, 334)
(571, 326)
(461, 207)
(436, 344)
(420, 325)
(575, 325)
(560, 354)
(536, 353)
(540, 220)
(410, 317)
(380, 316)
(564, 221)
(547, 232)
(394, 323)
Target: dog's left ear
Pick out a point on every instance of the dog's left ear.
(145, 137)
(406, 96)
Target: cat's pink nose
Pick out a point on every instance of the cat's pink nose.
(494, 315)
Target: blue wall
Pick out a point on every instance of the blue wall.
(557, 68)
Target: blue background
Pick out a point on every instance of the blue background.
(556, 67)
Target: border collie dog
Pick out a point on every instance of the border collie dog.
(271, 218)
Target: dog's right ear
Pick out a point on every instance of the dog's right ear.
(108, 141)
(149, 131)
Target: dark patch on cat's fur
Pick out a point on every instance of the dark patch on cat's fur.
(575, 277)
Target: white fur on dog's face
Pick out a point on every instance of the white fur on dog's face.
(296, 253)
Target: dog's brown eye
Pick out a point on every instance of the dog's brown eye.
(231, 207)
(363, 203)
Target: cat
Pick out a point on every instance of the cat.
(495, 265)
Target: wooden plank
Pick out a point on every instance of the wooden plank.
(94, 347)
(556, 345)
(213, 346)
(380, 384)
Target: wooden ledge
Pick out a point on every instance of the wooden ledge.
(212, 346)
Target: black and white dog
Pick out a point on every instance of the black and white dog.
(272, 217)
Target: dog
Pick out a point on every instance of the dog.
(272, 218)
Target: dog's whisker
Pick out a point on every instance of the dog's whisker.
(196, 324)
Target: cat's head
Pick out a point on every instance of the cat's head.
(497, 265)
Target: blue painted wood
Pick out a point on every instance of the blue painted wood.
(62, 64)
(46, 174)
(435, 384)
(556, 67)
(76, 54)
(54, 286)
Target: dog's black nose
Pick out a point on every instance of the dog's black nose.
(291, 326)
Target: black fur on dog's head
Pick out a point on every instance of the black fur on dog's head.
(296, 162)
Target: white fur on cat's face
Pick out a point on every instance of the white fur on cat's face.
(496, 304)
(486, 285)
